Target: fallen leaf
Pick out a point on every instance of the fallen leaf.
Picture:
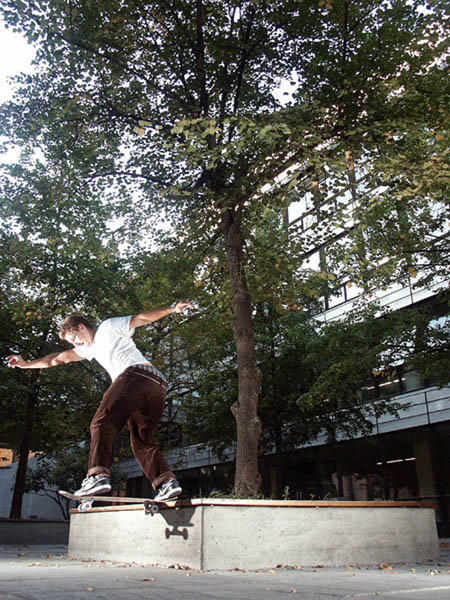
(384, 567)
(147, 579)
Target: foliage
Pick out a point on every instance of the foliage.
(63, 468)
(56, 260)
(431, 355)
(313, 374)
(182, 104)
(205, 132)
(367, 345)
(51, 267)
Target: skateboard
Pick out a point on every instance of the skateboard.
(85, 502)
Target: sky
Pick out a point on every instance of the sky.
(16, 54)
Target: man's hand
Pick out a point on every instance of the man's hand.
(181, 306)
(15, 360)
(50, 360)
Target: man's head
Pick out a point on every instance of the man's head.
(77, 330)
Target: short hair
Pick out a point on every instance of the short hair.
(73, 322)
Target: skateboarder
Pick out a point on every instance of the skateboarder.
(136, 395)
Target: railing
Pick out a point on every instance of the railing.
(422, 407)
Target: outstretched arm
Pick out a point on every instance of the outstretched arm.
(158, 313)
(50, 360)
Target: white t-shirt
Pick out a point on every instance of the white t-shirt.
(113, 347)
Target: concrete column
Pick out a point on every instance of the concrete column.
(424, 469)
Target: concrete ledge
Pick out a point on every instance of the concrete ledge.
(226, 534)
(31, 532)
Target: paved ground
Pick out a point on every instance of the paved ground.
(36, 572)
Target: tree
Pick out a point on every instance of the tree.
(62, 469)
(186, 93)
(54, 262)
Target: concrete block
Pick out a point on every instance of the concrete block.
(173, 536)
(31, 532)
(226, 534)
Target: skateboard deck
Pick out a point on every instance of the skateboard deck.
(85, 502)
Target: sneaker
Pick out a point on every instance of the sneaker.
(168, 491)
(94, 485)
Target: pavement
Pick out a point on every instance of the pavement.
(36, 572)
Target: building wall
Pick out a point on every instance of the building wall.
(35, 506)
(405, 458)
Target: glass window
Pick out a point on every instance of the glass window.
(337, 298)
(411, 380)
(383, 385)
(313, 261)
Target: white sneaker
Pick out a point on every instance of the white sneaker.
(169, 490)
(94, 485)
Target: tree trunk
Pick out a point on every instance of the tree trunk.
(247, 478)
(25, 447)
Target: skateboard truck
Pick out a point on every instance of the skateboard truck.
(150, 508)
(85, 505)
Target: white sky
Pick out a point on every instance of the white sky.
(16, 57)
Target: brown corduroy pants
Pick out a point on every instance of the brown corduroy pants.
(136, 397)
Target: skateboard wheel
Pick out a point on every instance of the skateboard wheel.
(84, 506)
(151, 508)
